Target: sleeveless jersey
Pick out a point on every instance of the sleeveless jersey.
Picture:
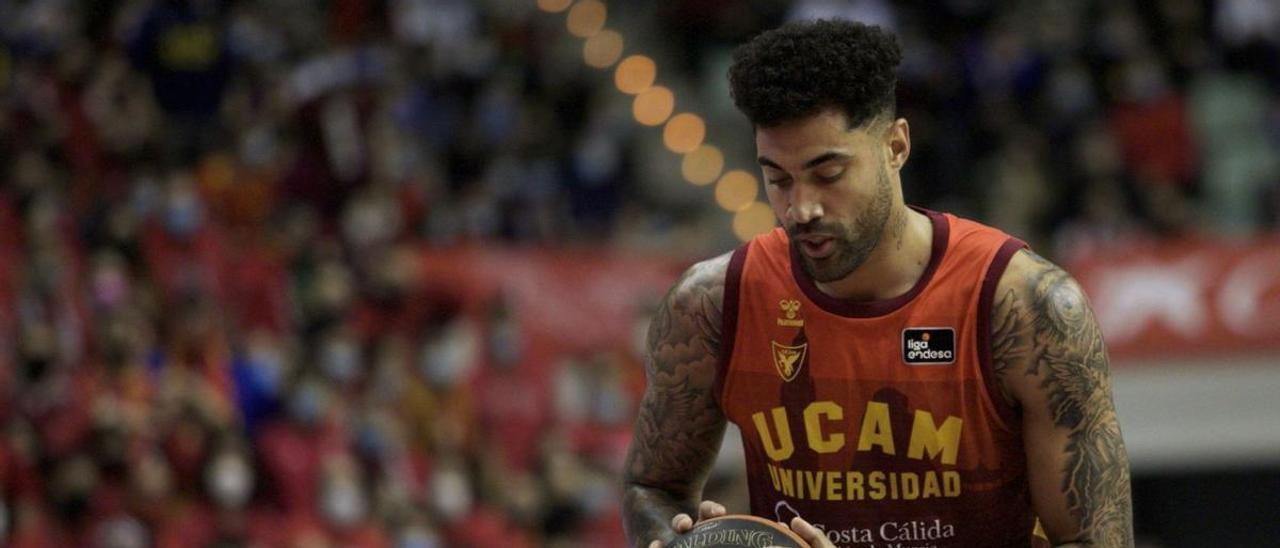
(878, 421)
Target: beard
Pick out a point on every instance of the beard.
(853, 242)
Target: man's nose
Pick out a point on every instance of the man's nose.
(805, 204)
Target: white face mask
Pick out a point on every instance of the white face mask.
(597, 496)
(341, 360)
(230, 480)
(611, 405)
(183, 214)
(122, 532)
(448, 358)
(343, 503)
(308, 402)
(451, 494)
(572, 393)
(418, 537)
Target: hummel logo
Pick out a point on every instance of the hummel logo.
(790, 309)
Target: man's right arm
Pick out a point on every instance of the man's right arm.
(679, 425)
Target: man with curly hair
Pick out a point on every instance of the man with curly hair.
(901, 377)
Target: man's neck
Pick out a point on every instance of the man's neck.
(895, 265)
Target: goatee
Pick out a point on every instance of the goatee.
(853, 244)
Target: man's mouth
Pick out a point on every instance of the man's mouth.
(817, 247)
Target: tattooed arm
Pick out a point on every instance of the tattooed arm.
(1048, 353)
(679, 426)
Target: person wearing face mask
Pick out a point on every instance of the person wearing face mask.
(184, 212)
(465, 518)
(71, 491)
(345, 506)
(515, 399)
(291, 447)
(229, 480)
(259, 371)
(449, 354)
(222, 482)
(418, 536)
(340, 357)
(342, 501)
(121, 531)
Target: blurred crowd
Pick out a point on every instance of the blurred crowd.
(1070, 124)
(213, 328)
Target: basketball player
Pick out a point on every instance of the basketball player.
(901, 377)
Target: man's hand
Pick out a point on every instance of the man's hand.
(682, 523)
(812, 535)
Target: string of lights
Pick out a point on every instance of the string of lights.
(684, 133)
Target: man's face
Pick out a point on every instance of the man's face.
(830, 188)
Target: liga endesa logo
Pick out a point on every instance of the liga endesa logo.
(928, 345)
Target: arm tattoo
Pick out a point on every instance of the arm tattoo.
(1007, 348)
(1046, 329)
(679, 425)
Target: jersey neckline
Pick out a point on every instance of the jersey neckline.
(869, 309)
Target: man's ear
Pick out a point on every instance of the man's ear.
(897, 139)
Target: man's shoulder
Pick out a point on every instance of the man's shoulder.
(707, 271)
(685, 330)
(1032, 274)
(705, 278)
(964, 232)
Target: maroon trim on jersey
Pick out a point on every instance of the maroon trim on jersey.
(729, 316)
(869, 309)
(985, 300)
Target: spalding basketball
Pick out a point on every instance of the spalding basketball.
(739, 531)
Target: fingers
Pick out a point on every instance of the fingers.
(710, 509)
(655, 544)
(682, 523)
(812, 535)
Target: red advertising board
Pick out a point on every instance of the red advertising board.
(1186, 298)
(1153, 299)
(576, 300)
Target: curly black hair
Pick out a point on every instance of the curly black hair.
(803, 67)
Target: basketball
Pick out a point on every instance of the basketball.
(738, 530)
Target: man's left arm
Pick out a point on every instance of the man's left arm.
(1049, 357)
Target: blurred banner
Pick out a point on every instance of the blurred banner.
(573, 300)
(1193, 298)
(1187, 299)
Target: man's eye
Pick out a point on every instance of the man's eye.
(831, 175)
(780, 181)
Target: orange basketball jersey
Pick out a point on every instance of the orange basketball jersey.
(878, 421)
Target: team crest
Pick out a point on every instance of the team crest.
(788, 359)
